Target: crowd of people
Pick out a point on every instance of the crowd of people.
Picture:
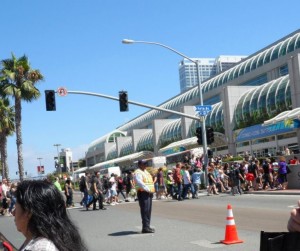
(183, 181)
(233, 177)
(7, 196)
(187, 178)
(105, 190)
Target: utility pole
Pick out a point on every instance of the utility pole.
(58, 169)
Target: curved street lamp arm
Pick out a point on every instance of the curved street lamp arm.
(129, 41)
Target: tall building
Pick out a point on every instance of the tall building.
(65, 160)
(209, 67)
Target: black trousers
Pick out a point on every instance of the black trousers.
(94, 201)
(145, 202)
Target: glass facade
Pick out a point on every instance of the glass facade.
(262, 103)
(278, 50)
(146, 142)
(256, 81)
(112, 153)
(170, 133)
(127, 148)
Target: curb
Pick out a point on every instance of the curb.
(286, 192)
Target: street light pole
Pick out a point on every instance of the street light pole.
(202, 119)
(58, 165)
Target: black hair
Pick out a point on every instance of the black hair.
(49, 218)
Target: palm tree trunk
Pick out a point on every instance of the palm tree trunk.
(4, 156)
(18, 112)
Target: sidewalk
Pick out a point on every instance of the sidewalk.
(276, 192)
(268, 192)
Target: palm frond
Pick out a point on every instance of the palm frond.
(29, 95)
(9, 89)
(7, 64)
(9, 74)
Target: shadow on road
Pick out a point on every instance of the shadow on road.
(122, 233)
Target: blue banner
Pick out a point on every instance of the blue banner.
(176, 149)
(261, 131)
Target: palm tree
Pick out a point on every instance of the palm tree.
(18, 80)
(7, 128)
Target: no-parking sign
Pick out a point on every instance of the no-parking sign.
(61, 91)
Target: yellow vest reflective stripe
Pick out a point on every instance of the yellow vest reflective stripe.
(147, 180)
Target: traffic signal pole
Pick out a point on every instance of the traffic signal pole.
(136, 103)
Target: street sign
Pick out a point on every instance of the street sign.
(61, 91)
(203, 110)
(40, 169)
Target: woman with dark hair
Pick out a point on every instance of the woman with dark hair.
(69, 193)
(41, 216)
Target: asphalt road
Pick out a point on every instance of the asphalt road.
(188, 225)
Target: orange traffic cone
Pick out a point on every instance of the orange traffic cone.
(231, 236)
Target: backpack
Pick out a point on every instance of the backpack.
(251, 168)
(82, 185)
(125, 181)
(106, 183)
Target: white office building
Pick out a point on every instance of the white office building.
(208, 67)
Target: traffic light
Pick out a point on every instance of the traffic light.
(123, 101)
(210, 135)
(199, 135)
(50, 100)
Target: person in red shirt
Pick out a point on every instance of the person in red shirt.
(294, 161)
(178, 181)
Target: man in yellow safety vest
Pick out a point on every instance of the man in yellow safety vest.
(145, 189)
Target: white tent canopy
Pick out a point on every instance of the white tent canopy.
(130, 157)
(291, 114)
(81, 170)
(186, 143)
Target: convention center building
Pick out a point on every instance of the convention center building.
(255, 109)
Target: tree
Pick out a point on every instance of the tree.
(81, 163)
(7, 128)
(18, 80)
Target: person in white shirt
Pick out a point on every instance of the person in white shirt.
(113, 190)
(187, 182)
(5, 199)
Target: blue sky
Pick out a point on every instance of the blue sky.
(77, 44)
